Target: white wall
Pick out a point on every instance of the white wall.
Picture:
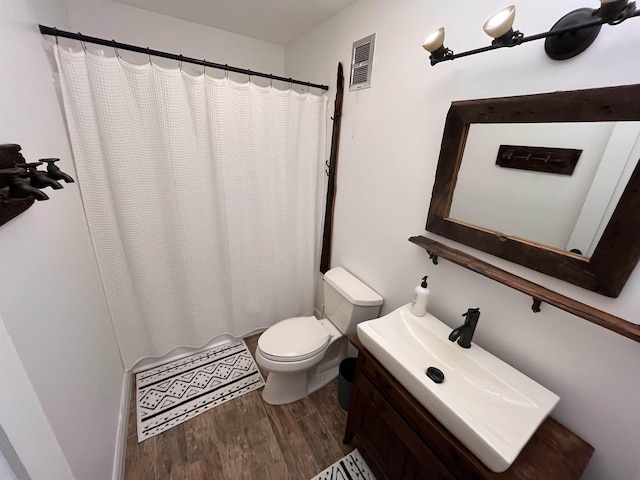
(542, 207)
(23, 419)
(51, 298)
(127, 24)
(389, 149)
(618, 162)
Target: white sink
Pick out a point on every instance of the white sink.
(491, 407)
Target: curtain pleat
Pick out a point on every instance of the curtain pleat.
(204, 199)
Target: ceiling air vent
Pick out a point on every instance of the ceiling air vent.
(362, 63)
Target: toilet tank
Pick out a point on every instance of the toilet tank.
(348, 301)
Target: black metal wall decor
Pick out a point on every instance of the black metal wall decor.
(21, 182)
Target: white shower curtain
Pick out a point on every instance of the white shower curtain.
(204, 198)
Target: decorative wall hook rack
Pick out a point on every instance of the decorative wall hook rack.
(569, 36)
(21, 182)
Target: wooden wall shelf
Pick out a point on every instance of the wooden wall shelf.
(537, 292)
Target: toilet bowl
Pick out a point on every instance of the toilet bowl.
(303, 354)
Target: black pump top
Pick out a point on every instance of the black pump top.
(424, 282)
(472, 312)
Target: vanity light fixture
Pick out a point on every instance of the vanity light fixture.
(434, 43)
(499, 27)
(569, 36)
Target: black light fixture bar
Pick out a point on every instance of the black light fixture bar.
(516, 38)
(531, 38)
(180, 58)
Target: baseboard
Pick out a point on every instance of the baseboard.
(123, 427)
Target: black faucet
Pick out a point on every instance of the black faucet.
(464, 334)
(18, 187)
(38, 178)
(54, 172)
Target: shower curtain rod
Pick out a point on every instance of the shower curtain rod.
(156, 53)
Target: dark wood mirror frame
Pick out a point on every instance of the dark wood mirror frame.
(618, 250)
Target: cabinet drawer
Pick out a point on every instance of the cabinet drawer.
(431, 433)
(394, 442)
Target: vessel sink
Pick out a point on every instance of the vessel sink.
(491, 407)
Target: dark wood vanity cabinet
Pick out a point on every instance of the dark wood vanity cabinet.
(400, 439)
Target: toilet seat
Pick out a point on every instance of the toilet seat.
(294, 339)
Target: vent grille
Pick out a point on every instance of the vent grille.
(362, 63)
(361, 53)
(360, 74)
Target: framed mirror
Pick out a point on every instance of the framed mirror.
(548, 181)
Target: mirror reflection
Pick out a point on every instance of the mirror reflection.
(568, 212)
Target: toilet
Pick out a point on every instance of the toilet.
(303, 354)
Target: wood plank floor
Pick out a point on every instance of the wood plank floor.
(244, 439)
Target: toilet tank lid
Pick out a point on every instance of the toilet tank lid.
(351, 288)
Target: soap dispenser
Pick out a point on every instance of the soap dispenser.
(420, 299)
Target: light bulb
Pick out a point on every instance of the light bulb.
(500, 23)
(434, 41)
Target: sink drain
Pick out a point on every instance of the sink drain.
(435, 374)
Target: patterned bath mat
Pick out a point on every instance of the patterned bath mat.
(350, 467)
(175, 392)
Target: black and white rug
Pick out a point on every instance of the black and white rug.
(350, 467)
(175, 392)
